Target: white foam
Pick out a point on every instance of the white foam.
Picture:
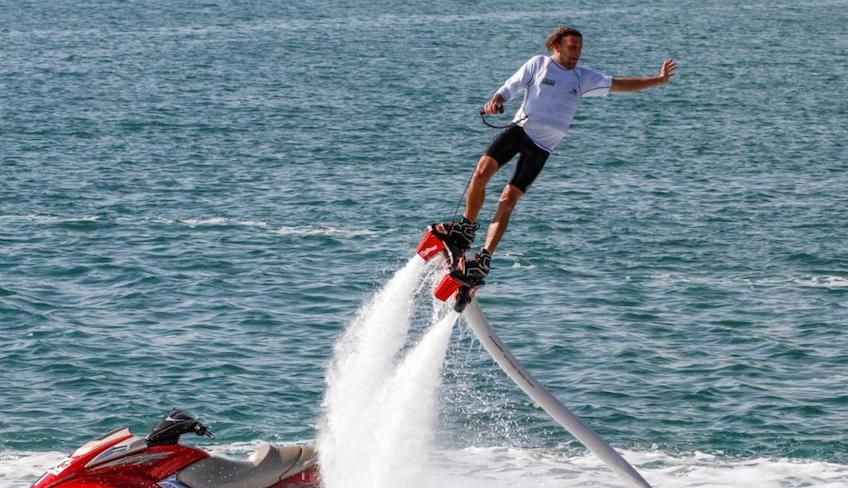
(507, 467)
(214, 221)
(408, 406)
(826, 281)
(377, 400)
(201, 222)
(23, 468)
(324, 231)
(829, 282)
(48, 219)
(363, 360)
(504, 467)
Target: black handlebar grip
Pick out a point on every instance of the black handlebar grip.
(500, 110)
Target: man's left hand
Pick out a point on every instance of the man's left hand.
(667, 69)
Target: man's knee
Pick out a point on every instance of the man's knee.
(487, 166)
(509, 198)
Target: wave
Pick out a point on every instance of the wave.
(325, 231)
(829, 282)
(48, 219)
(502, 467)
(508, 467)
(191, 222)
(821, 281)
(222, 221)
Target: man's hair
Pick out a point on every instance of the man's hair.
(557, 35)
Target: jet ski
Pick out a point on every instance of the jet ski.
(120, 459)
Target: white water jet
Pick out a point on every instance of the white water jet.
(408, 413)
(363, 359)
(379, 411)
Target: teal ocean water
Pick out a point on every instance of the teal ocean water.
(197, 198)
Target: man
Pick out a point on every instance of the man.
(553, 86)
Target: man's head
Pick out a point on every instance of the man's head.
(566, 44)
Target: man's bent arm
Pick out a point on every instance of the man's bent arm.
(636, 84)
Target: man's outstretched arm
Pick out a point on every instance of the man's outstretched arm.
(635, 84)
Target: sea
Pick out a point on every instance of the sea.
(214, 205)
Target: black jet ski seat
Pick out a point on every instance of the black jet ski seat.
(268, 465)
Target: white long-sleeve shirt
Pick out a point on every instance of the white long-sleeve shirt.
(552, 95)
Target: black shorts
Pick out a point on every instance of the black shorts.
(514, 141)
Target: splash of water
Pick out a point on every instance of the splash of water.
(362, 358)
(408, 407)
(378, 412)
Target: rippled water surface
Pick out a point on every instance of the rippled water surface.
(197, 197)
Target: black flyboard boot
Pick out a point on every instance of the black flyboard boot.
(463, 282)
(476, 271)
(453, 238)
(463, 278)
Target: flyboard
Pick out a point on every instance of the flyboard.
(452, 286)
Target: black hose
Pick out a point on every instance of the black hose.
(493, 126)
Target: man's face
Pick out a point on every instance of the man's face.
(568, 50)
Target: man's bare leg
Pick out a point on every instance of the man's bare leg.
(509, 199)
(459, 235)
(487, 166)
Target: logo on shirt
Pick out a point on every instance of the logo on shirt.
(574, 91)
(548, 81)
